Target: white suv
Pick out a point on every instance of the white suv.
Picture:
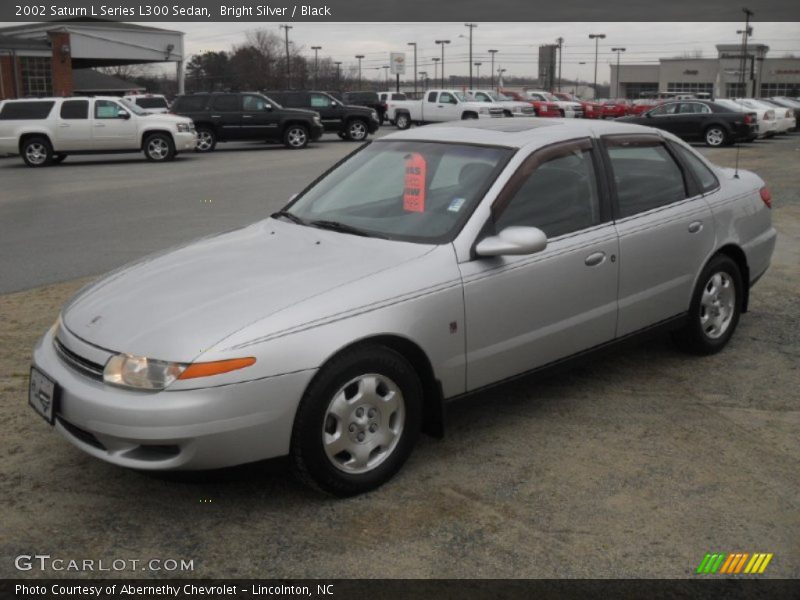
(150, 103)
(45, 130)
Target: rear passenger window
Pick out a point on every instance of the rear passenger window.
(559, 197)
(75, 109)
(26, 110)
(432, 97)
(645, 175)
(190, 103)
(226, 103)
(296, 100)
(706, 179)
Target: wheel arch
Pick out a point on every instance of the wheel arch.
(148, 132)
(738, 256)
(30, 134)
(290, 122)
(432, 395)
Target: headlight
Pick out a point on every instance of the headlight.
(143, 373)
(184, 127)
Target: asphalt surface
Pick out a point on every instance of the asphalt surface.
(91, 214)
(634, 464)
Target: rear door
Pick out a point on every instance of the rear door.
(665, 229)
(226, 115)
(74, 131)
(111, 129)
(259, 120)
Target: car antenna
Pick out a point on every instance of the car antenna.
(736, 168)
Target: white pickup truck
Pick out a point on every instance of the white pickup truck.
(438, 106)
(511, 107)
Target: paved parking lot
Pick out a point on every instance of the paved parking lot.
(633, 464)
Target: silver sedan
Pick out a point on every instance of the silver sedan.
(429, 264)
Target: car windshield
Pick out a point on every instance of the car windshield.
(154, 102)
(404, 190)
(133, 108)
(550, 97)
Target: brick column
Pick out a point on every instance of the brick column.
(61, 63)
(7, 85)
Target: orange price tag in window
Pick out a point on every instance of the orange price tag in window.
(414, 187)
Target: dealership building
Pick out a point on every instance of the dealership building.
(55, 58)
(720, 77)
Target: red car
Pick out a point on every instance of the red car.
(639, 107)
(543, 109)
(615, 108)
(591, 110)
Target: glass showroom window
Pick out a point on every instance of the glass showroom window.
(36, 76)
(690, 87)
(780, 89)
(734, 90)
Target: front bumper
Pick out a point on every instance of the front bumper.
(316, 131)
(185, 140)
(202, 428)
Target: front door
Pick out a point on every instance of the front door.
(523, 312)
(447, 108)
(258, 118)
(330, 110)
(113, 127)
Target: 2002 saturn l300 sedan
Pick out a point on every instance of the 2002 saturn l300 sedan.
(428, 264)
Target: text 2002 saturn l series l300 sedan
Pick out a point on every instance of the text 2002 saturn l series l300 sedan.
(428, 264)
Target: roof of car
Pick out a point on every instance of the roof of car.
(516, 132)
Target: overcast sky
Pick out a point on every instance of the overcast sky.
(517, 43)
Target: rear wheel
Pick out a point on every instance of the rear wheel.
(206, 139)
(715, 136)
(159, 147)
(37, 152)
(295, 137)
(357, 422)
(715, 309)
(403, 121)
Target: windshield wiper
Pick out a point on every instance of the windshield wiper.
(291, 216)
(343, 228)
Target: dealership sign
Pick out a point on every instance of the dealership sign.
(397, 60)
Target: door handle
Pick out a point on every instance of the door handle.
(64, 125)
(695, 227)
(216, 116)
(99, 124)
(247, 116)
(595, 259)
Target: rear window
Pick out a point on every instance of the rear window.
(75, 109)
(26, 110)
(152, 102)
(706, 179)
(190, 103)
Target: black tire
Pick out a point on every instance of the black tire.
(36, 151)
(468, 115)
(715, 136)
(58, 158)
(315, 419)
(341, 135)
(158, 147)
(295, 137)
(703, 334)
(206, 139)
(403, 121)
(357, 130)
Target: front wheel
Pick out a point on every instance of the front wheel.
(715, 136)
(715, 309)
(159, 147)
(357, 130)
(295, 137)
(357, 422)
(403, 121)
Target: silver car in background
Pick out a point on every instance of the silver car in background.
(428, 264)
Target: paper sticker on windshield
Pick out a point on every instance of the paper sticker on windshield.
(414, 187)
(456, 204)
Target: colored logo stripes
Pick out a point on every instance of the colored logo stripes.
(735, 563)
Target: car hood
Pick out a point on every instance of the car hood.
(300, 112)
(166, 118)
(177, 304)
(359, 108)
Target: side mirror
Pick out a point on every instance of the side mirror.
(123, 114)
(334, 103)
(513, 240)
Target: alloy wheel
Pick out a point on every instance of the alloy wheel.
(36, 153)
(204, 141)
(357, 130)
(157, 148)
(296, 137)
(717, 305)
(715, 137)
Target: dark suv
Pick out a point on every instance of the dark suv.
(350, 122)
(368, 99)
(223, 116)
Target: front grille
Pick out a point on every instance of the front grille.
(83, 365)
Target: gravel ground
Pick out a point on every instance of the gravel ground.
(634, 464)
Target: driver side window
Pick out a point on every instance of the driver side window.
(106, 109)
(445, 98)
(320, 101)
(255, 103)
(560, 196)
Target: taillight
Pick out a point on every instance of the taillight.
(766, 196)
(748, 119)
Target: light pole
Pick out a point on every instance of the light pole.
(618, 51)
(338, 64)
(746, 32)
(288, 67)
(442, 44)
(471, 27)
(415, 64)
(560, 42)
(478, 74)
(596, 37)
(435, 69)
(386, 75)
(359, 57)
(316, 49)
(491, 72)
